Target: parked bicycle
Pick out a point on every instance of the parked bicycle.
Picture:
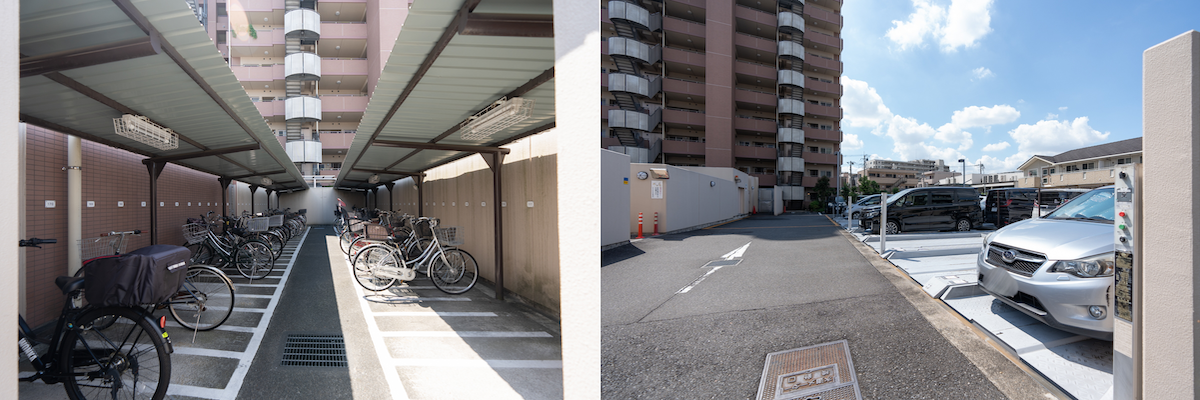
(126, 356)
(379, 266)
(252, 258)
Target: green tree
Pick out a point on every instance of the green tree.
(848, 192)
(894, 190)
(822, 191)
(867, 187)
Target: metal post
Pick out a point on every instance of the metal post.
(155, 169)
(882, 223)
(224, 182)
(269, 191)
(74, 170)
(496, 161)
(253, 190)
(419, 183)
(390, 186)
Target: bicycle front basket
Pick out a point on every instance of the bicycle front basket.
(260, 224)
(449, 236)
(376, 231)
(90, 248)
(194, 233)
(276, 220)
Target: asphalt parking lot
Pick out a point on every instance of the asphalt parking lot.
(944, 265)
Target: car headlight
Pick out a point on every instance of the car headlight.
(1091, 267)
(870, 214)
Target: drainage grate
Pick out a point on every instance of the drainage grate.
(820, 372)
(314, 351)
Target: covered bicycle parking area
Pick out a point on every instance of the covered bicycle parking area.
(85, 63)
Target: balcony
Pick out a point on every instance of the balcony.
(762, 153)
(822, 134)
(672, 24)
(1086, 179)
(765, 180)
(818, 110)
(790, 135)
(791, 49)
(790, 21)
(792, 164)
(792, 78)
(266, 73)
(618, 82)
(620, 10)
(683, 57)
(821, 158)
(343, 30)
(824, 16)
(633, 120)
(334, 67)
(681, 147)
(833, 66)
(619, 46)
(302, 67)
(753, 15)
(755, 70)
(811, 181)
(302, 24)
(686, 118)
(817, 38)
(336, 140)
(751, 97)
(832, 89)
(791, 106)
(682, 87)
(270, 109)
(343, 103)
(266, 38)
(754, 42)
(755, 125)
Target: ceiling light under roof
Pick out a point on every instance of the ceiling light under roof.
(497, 117)
(145, 131)
(373, 179)
(267, 181)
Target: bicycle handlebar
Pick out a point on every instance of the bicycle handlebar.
(34, 242)
(133, 232)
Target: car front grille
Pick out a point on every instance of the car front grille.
(1025, 264)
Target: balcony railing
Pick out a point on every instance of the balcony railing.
(824, 111)
(823, 15)
(823, 38)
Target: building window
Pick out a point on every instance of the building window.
(812, 149)
(813, 172)
(747, 144)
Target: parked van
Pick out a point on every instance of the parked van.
(1057, 269)
(1050, 199)
(927, 208)
(1005, 206)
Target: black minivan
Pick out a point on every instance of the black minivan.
(928, 208)
(1005, 206)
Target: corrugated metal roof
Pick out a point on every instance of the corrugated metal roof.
(469, 74)
(186, 85)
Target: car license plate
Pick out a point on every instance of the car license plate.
(993, 209)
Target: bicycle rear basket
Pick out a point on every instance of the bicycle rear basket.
(194, 233)
(260, 224)
(449, 236)
(356, 225)
(377, 231)
(276, 220)
(90, 248)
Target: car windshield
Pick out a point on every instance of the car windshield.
(872, 199)
(1096, 205)
(893, 197)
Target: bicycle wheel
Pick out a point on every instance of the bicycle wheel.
(254, 259)
(344, 239)
(201, 253)
(126, 360)
(457, 274)
(272, 239)
(372, 267)
(204, 301)
(414, 250)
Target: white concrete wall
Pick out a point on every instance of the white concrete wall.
(10, 144)
(320, 203)
(1170, 251)
(689, 198)
(614, 202)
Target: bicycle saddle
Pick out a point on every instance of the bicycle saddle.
(69, 284)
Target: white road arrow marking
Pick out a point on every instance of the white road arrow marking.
(736, 253)
(688, 288)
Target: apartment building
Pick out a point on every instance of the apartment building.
(1088, 167)
(891, 174)
(309, 66)
(747, 84)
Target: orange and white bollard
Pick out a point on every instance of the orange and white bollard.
(656, 223)
(640, 227)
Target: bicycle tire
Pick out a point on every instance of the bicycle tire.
(201, 253)
(344, 241)
(273, 239)
(254, 259)
(370, 262)
(456, 273)
(204, 301)
(132, 349)
(415, 250)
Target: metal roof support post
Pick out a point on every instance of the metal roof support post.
(419, 180)
(224, 182)
(495, 161)
(253, 189)
(269, 191)
(389, 187)
(155, 169)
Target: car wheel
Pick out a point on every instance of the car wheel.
(963, 225)
(893, 227)
(854, 216)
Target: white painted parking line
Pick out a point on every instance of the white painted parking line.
(246, 285)
(197, 351)
(392, 299)
(253, 296)
(223, 327)
(177, 389)
(467, 334)
(381, 349)
(253, 310)
(436, 362)
(431, 314)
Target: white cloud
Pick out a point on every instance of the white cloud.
(1050, 137)
(966, 23)
(962, 24)
(981, 73)
(863, 106)
(951, 133)
(1063, 108)
(851, 142)
(1051, 116)
(975, 116)
(996, 146)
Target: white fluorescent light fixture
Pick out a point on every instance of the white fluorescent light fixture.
(497, 117)
(145, 131)
(373, 179)
(267, 181)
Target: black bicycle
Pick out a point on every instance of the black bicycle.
(99, 352)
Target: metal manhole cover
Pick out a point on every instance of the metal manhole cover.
(722, 263)
(307, 350)
(821, 372)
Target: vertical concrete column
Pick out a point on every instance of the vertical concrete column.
(719, 84)
(10, 24)
(495, 161)
(576, 59)
(1171, 193)
(21, 136)
(74, 170)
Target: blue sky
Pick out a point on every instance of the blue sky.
(996, 82)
